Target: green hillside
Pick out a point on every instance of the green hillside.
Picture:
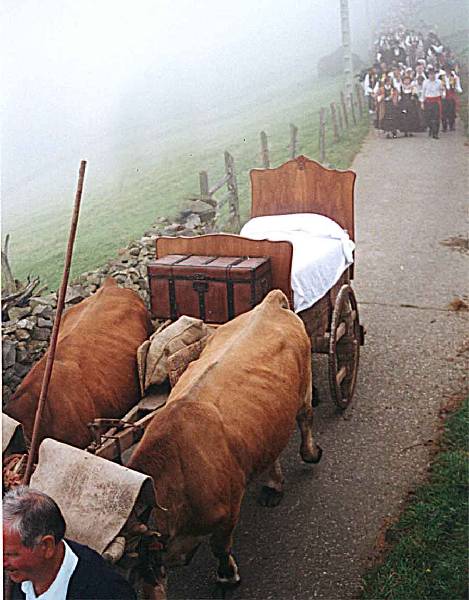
(155, 176)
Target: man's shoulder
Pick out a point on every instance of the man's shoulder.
(94, 576)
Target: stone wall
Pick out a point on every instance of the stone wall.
(27, 330)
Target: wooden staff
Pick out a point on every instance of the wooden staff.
(55, 328)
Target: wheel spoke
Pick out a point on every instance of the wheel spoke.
(341, 375)
(341, 330)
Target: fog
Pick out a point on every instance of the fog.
(80, 78)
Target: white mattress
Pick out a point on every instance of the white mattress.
(322, 251)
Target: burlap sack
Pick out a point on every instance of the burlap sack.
(152, 355)
(180, 360)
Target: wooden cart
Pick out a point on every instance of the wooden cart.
(300, 185)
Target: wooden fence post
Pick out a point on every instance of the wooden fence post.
(293, 139)
(265, 151)
(344, 108)
(322, 136)
(203, 180)
(334, 122)
(341, 121)
(233, 198)
(352, 108)
(359, 94)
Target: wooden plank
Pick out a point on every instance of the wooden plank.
(335, 127)
(303, 185)
(220, 183)
(320, 344)
(233, 199)
(121, 441)
(205, 194)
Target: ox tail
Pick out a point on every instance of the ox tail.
(277, 298)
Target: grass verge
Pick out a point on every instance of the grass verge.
(428, 559)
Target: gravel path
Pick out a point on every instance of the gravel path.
(411, 196)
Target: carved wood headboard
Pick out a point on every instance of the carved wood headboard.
(302, 185)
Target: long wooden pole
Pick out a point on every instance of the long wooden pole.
(55, 328)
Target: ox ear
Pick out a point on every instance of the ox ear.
(277, 297)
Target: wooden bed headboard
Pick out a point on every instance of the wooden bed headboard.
(302, 185)
(224, 244)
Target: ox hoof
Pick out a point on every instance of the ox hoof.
(228, 574)
(313, 458)
(269, 497)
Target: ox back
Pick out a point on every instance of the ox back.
(214, 289)
(95, 370)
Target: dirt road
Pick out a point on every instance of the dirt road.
(411, 198)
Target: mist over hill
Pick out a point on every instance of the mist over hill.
(125, 85)
(97, 80)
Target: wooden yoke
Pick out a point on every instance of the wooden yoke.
(302, 185)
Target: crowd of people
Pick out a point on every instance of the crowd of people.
(413, 85)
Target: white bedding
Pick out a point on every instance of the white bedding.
(322, 251)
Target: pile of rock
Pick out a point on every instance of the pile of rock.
(27, 330)
(25, 337)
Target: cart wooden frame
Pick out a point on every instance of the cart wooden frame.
(300, 185)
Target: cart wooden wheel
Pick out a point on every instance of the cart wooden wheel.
(344, 347)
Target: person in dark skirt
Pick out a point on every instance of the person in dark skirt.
(408, 108)
(369, 83)
(450, 101)
(387, 108)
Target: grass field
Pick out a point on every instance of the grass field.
(428, 559)
(151, 178)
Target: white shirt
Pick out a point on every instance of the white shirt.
(59, 587)
(431, 89)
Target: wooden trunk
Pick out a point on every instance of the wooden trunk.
(212, 288)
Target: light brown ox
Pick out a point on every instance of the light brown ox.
(227, 420)
(95, 369)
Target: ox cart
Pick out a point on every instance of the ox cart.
(299, 187)
(119, 501)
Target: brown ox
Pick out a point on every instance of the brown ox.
(95, 369)
(227, 420)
